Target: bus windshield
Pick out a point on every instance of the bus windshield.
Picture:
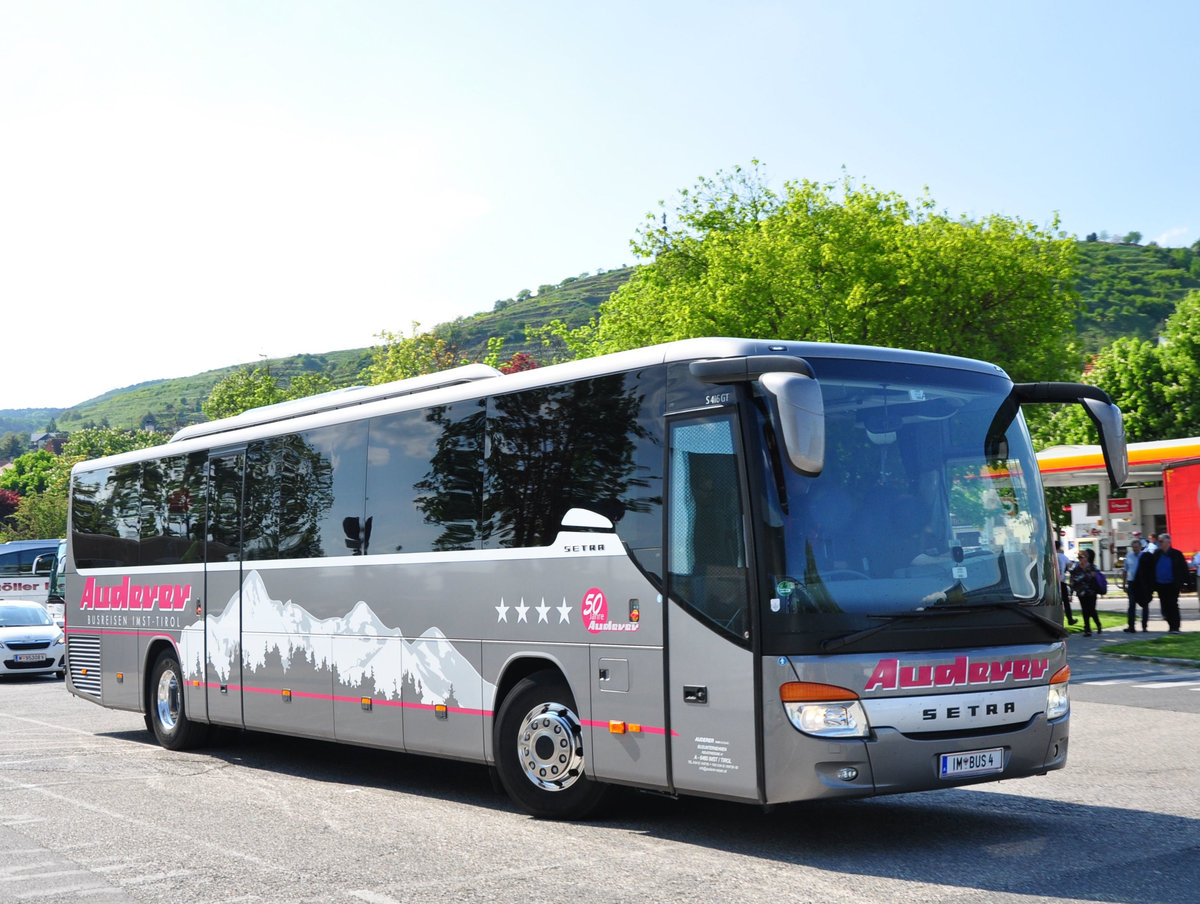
(929, 500)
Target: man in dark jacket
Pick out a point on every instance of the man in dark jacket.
(1164, 572)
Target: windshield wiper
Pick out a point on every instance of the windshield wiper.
(1022, 609)
(836, 643)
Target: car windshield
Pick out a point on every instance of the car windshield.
(930, 497)
(14, 616)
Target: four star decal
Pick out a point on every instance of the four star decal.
(543, 611)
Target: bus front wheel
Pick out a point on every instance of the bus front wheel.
(165, 714)
(539, 750)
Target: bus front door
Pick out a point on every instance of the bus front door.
(223, 588)
(710, 666)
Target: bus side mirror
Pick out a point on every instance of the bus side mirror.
(1111, 426)
(1100, 408)
(801, 419)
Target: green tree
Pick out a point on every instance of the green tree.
(845, 263)
(44, 513)
(1179, 352)
(1130, 371)
(399, 357)
(13, 444)
(308, 384)
(1156, 384)
(249, 387)
(254, 387)
(96, 442)
(29, 473)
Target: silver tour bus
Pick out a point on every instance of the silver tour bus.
(759, 571)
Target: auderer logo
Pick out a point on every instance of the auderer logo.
(890, 675)
(128, 595)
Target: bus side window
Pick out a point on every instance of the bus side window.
(107, 505)
(172, 522)
(424, 480)
(320, 476)
(582, 444)
(707, 549)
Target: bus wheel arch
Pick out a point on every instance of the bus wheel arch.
(157, 647)
(166, 713)
(539, 745)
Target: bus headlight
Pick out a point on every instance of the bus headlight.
(824, 710)
(1058, 696)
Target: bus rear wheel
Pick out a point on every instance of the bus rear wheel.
(166, 715)
(539, 750)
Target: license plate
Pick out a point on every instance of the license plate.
(972, 762)
(29, 657)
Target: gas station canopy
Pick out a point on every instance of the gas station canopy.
(1066, 466)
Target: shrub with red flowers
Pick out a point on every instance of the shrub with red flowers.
(518, 362)
(9, 500)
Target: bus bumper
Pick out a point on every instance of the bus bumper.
(900, 763)
(891, 762)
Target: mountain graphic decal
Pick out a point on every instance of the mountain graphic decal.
(357, 646)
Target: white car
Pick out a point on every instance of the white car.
(30, 641)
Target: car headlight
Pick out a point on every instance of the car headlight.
(824, 710)
(1058, 695)
(62, 639)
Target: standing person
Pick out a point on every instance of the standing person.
(1085, 585)
(1150, 544)
(1136, 598)
(1164, 572)
(1064, 588)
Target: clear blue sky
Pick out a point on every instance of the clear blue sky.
(190, 185)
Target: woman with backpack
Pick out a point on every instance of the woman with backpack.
(1085, 581)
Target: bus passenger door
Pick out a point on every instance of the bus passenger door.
(711, 689)
(223, 588)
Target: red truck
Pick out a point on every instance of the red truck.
(1181, 490)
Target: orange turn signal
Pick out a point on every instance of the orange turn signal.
(811, 692)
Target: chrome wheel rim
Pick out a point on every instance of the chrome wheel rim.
(550, 747)
(167, 701)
